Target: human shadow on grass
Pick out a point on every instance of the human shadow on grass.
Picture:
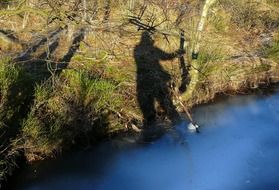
(153, 81)
(65, 60)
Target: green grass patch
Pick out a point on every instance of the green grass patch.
(77, 107)
(208, 60)
(210, 56)
(272, 51)
(15, 87)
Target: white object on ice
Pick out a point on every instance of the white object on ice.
(193, 127)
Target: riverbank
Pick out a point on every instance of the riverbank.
(78, 109)
(71, 86)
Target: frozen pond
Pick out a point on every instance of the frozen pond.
(237, 149)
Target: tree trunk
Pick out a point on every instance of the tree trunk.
(25, 20)
(194, 72)
(131, 4)
(200, 28)
(84, 11)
